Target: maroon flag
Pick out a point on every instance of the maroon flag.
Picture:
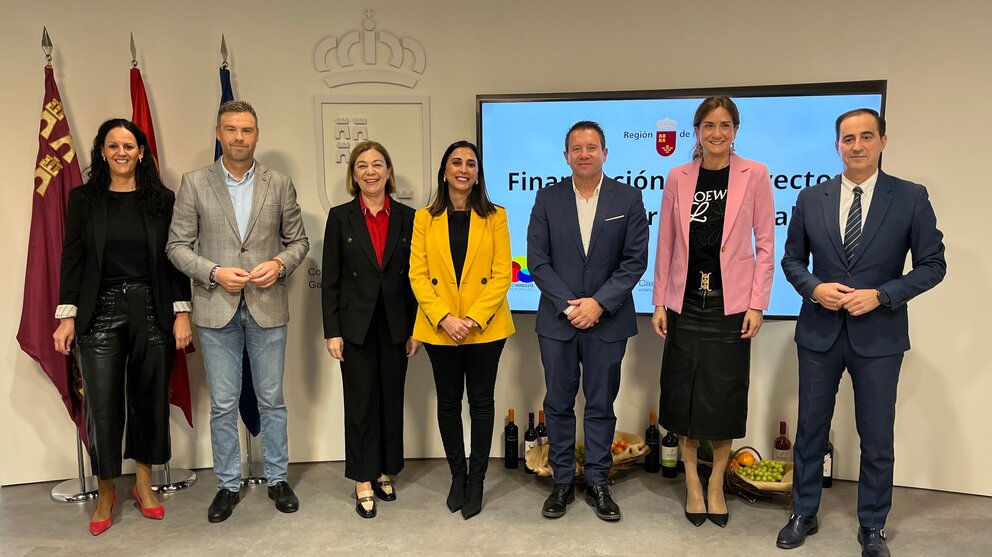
(141, 112)
(179, 394)
(56, 172)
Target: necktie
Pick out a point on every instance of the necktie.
(852, 232)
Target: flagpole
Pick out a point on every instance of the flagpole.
(165, 479)
(250, 479)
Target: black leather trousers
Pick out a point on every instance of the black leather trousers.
(126, 359)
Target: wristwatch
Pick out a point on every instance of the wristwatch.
(883, 298)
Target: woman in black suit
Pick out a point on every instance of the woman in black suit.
(368, 320)
(127, 306)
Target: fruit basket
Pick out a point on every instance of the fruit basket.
(628, 447)
(752, 489)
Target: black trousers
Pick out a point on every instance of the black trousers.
(125, 359)
(470, 367)
(373, 374)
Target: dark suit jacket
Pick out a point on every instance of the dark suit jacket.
(82, 259)
(617, 258)
(900, 220)
(351, 276)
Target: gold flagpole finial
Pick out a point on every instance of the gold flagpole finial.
(134, 53)
(46, 45)
(223, 51)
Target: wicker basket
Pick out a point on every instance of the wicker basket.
(537, 458)
(752, 491)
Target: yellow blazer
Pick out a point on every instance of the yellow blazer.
(485, 278)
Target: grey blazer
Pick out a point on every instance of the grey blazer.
(204, 233)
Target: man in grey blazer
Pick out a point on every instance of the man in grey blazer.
(238, 233)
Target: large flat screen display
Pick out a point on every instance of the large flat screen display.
(790, 128)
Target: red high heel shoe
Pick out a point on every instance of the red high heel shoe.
(98, 527)
(156, 513)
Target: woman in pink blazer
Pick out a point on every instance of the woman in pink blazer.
(712, 280)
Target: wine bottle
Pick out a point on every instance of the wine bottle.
(542, 430)
(783, 447)
(511, 447)
(670, 455)
(828, 464)
(530, 440)
(653, 440)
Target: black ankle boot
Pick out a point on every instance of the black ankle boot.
(456, 494)
(473, 498)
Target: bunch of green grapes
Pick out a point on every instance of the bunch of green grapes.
(580, 453)
(763, 471)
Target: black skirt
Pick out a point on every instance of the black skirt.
(705, 371)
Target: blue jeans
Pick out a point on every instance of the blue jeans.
(222, 353)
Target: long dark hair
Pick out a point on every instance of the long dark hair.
(478, 199)
(152, 196)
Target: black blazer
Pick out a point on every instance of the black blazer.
(82, 259)
(351, 277)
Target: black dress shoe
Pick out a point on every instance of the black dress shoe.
(719, 519)
(381, 493)
(456, 493)
(361, 510)
(696, 519)
(285, 499)
(557, 503)
(473, 499)
(873, 542)
(223, 505)
(794, 533)
(600, 498)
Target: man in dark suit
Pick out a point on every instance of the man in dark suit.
(586, 264)
(854, 315)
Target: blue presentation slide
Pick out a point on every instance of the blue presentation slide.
(523, 145)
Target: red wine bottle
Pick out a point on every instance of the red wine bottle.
(511, 443)
(828, 464)
(542, 430)
(653, 440)
(670, 455)
(783, 447)
(530, 440)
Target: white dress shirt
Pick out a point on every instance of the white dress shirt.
(847, 199)
(586, 209)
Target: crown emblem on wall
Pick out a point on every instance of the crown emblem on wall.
(667, 124)
(370, 56)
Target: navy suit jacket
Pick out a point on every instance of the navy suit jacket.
(900, 220)
(617, 258)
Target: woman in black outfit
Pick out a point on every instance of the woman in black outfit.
(128, 308)
(368, 312)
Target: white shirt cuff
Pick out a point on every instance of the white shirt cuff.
(182, 307)
(64, 311)
(568, 310)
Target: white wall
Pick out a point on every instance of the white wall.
(934, 57)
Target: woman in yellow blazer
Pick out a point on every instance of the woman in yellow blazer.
(460, 272)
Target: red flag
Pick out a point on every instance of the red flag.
(142, 113)
(56, 172)
(179, 394)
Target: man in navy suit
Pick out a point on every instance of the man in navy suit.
(858, 229)
(587, 246)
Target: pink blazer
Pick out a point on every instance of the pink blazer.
(747, 266)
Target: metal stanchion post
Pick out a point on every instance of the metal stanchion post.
(77, 490)
(251, 479)
(169, 480)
